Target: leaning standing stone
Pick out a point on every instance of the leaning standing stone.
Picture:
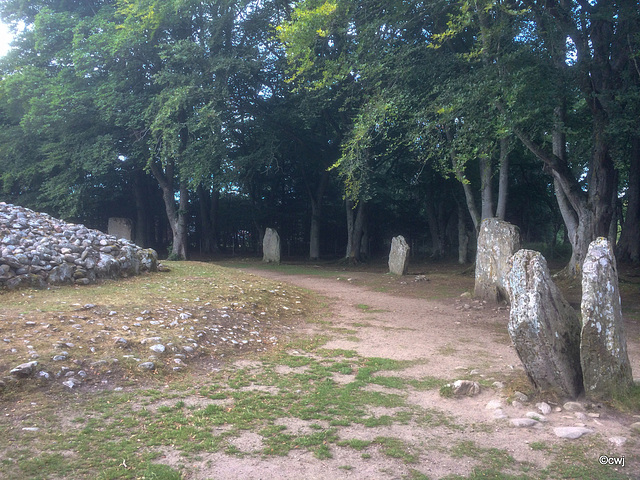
(543, 327)
(399, 256)
(497, 242)
(603, 350)
(271, 246)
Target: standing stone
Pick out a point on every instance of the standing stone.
(399, 256)
(497, 242)
(603, 349)
(271, 246)
(120, 227)
(543, 327)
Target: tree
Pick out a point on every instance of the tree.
(584, 52)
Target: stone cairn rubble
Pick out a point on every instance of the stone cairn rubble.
(37, 250)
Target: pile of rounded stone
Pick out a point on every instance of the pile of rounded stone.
(37, 250)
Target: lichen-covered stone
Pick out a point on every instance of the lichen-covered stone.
(497, 242)
(543, 327)
(399, 256)
(271, 246)
(603, 349)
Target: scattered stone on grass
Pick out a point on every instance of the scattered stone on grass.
(466, 388)
(618, 441)
(24, 370)
(544, 408)
(523, 422)
(571, 433)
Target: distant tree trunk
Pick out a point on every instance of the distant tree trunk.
(141, 236)
(349, 206)
(468, 193)
(316, 209)
(503, 182)
(463, 237)
(486, 186)
(629, 244)
(355, 230)
(364, 241)
(213, 215)
(177, 216)
(437, 242)
(208, 211)
(358, 232)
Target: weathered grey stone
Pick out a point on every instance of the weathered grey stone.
(271, 246)
(603, 349)
(399, 256)
(129, 260)
(573, 407)
(61, 274)
(536, 416)
(497, 242)
(571, 432)
(465, 388)
(617, 441)
(544, 408)
(158, 348)
(523, 422)
(148, 259)
(120, 227)
(543, 327)
(24, 370)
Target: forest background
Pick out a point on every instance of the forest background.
(341, 123)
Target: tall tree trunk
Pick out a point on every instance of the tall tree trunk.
(208, 211)
(468, 194)
(213, 215)
(629, 244)
(141, 227)
(503, 182)
(486, 188)
(176, 216)
(463, 236)
(355, 254)
(349, 206)
(437, 242)
(205, 221)
(316, 209)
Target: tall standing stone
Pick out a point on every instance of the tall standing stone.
(603, 349)
(271, 246)
(543, 327)
(120, 228)
(399, 256)
(497, 242)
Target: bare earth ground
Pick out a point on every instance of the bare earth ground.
(451, 337)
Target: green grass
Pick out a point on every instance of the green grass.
(121, 435)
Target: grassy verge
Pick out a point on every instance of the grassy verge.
(290, 394)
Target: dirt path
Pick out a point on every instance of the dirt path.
(450, 339)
